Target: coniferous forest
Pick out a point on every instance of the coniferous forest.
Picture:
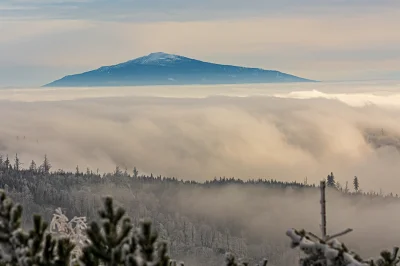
(156, 220)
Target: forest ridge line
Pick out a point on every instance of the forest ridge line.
(44, 169)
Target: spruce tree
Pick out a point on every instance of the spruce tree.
(356, 184)
(116, 243)
(17, 163)
(135, 173)
(117, 171)
(10, 223)
(46, 166)
(32, 167)
(330, 180)
(7, 163)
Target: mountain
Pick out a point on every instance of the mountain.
(168, 69)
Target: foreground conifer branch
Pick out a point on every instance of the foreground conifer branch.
(231, 261)
(116, 242)
(334, 253)
(328, 251)
(36, 247)
(113, 242)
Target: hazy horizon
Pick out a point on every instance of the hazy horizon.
(41, 41)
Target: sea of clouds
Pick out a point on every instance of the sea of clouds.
(286, 132)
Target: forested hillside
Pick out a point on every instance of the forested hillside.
(199, 221)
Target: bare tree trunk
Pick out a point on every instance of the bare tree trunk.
(323, 210)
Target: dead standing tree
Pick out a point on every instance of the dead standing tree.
(325, 237)
(328, 251)
(323, 209)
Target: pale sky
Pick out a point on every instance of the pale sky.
(43, 40)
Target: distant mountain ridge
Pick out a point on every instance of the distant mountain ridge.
(169, 69)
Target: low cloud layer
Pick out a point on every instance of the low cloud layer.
(262, 216)
(266, 214)
(199, 138)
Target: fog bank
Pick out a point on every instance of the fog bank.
(202, 137)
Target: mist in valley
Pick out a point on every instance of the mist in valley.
(252, 220)
(287, 136)
(199, 138)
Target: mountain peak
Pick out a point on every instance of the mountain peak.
(160, 55)
(161, 68)
(157, 58)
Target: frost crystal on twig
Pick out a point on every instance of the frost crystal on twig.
(74, 229)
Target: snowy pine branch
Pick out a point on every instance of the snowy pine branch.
(334, 253)
(36, 247)
(115, 242)
(231, 261)
(74, 230)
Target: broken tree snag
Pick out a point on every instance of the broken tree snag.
(323, 210)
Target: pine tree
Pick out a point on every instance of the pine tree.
(7, 163)
(338, 186)
(46, 166)
(17, 163)
(107, 244)
(135, 173)
(114, 242)
(356, 184)
(10, 217)
(77, 173)
(32, 167)
(36, 247)
(330, 181)
(126, 172)
(118, 171)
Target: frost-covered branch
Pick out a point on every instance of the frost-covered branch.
(348, 230)
(334, 253)
(231, 261)
(36, 247)
(74, 229)
(113, 241)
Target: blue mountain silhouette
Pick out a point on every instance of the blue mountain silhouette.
(168, 69)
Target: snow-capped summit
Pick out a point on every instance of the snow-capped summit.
(169, 69)
(157, 58)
